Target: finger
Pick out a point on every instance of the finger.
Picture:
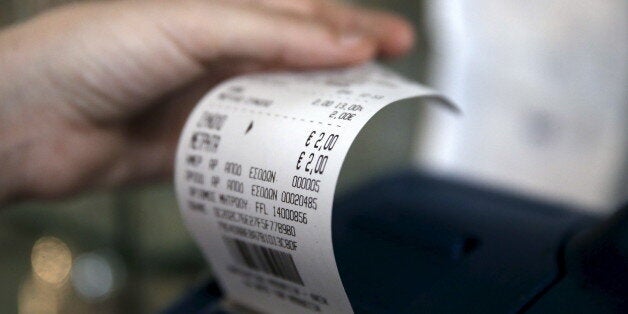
(208, 31)
(297, 7)
(394, 35)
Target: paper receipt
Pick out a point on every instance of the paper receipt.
(256, 171)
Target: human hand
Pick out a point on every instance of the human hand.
(95, 94)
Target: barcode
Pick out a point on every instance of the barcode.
(267, 260)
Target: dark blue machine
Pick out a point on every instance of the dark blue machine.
(413, 243)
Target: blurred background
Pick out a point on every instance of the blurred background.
(542, 85)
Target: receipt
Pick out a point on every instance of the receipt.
(256, 172)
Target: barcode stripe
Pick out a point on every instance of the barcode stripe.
(273, 262)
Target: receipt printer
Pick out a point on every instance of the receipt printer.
(414, 243)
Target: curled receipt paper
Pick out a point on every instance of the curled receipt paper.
(256, 170)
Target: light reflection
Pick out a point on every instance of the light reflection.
(94, 276)
(37, 296)
(46, 288)
(51, 260)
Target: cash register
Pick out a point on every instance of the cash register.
(446, 246)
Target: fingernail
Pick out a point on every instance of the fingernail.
(351, 39)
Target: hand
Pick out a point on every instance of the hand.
(95, 94)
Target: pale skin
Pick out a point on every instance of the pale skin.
(95, 94)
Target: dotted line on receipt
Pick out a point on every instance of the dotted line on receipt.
(276, 115)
